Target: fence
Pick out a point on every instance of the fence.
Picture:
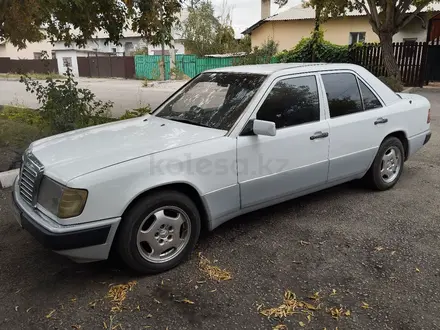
(27, 66)
(147, 66)
(412, 59)
(106, 66)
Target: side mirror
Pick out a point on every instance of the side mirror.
(263, 127)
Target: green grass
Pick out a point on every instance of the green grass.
(38, 76)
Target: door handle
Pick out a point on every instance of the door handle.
(319, 135)
(380, 121)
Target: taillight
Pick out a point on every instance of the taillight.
(429, 117)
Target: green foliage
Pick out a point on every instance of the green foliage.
(18, 135)
(324, 50)
(393, 83)
(65, 106)
(136, 112)
(22, 115)
(178, 74)
(204, 33)
(21, 21)
(140, 51)
(260, 55)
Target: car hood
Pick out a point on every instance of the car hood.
(69, 155)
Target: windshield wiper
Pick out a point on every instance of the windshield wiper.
(186, 121)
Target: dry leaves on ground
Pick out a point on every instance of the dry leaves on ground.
(214, 272)
(337, 312)
(291, 305)
(118, 293)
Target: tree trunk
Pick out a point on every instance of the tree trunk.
(163, 73)
(315, 35)
(390, 62)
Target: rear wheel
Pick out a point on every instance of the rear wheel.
(159, 232)
(387, 166)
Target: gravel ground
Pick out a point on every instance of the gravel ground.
(375, 248)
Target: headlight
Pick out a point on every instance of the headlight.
(61, 201)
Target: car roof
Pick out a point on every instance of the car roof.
(268, 69)
(281, 69)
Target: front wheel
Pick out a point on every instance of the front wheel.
(159, 232)
(387, 166)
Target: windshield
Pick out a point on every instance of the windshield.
(214, 100)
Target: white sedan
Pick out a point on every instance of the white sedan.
(231, 141)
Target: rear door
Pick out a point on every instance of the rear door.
(357, 121)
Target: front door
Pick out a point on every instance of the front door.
(272, 167)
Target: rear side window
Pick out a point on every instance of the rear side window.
(291, 102)
(342, 94)
(370, 100)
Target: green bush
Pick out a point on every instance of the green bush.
(260, 55)
(325, 51)
(392, 83)
(66, 107)
(136, 112)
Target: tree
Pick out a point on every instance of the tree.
(387, 17)
(75, 22)
(204, 33)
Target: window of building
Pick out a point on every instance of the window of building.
(342, 94)
(357, 37)
(37, 56)
(370, 100)
(114, 50)
(67, 62)
(291, 102)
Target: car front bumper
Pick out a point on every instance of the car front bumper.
(87, 242)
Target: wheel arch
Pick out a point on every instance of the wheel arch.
(401, 135)
(182, 187)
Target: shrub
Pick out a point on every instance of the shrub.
(325, 51)
(392, 83)
(136, 112)
(66, 107)
(260, 55)
(178, 74)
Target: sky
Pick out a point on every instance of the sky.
(247, 12)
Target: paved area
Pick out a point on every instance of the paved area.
(374, 254)
(126, 94)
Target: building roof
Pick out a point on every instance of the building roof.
(298, 12)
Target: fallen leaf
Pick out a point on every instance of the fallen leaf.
(304, 242)
(417, 270)
(76, 327)
(16, 308)
(104, 325)
(365, 305)
(315, 296)
(48, 316)
(73, 300)
(378, 248)
(138, 308)
(214, 272)
(213, 290)
(27, 310)
(309, 318)
(187, 301)
(149, 316)
(156, 301)
(347, 313)
(393, 252)
(118, 293)
(333, 293)
(280, 327)
(301, 323)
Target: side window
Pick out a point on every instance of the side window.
(370, 100)
(342, 94)
(291, 102)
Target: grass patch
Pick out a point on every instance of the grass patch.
(17, 136)
(38, 76)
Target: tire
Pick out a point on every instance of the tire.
(382, 176)
(153, 225)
